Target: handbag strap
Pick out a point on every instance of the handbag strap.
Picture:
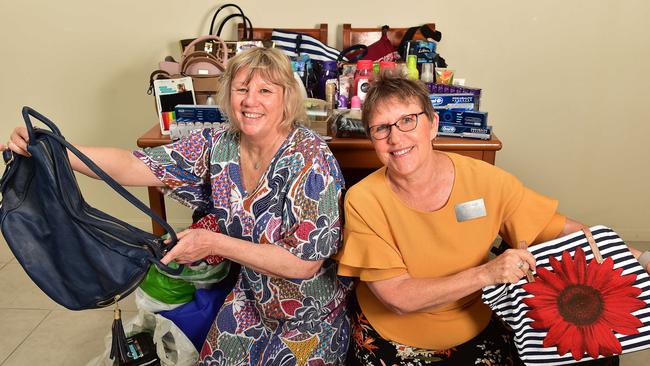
(200, 56)
(247, 36)
(592, 243)
(55, 133)
(357, 51)
(247, 22)
(224, 50)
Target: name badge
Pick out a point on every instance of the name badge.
(470, 210)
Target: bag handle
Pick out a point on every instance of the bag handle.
(224, 50)
(247, 36)
(200, 56)
(248, 27)
(56, 134)
(592, 243)
(343, 56)
(426, 31)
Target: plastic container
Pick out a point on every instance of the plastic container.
(427, 73)
(362, 78)
(412, 67)
(387, 65)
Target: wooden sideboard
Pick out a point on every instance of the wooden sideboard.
(356, 158)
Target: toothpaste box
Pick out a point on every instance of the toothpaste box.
(455, 130)
(199, 113)
(465, 102)
(465, 118)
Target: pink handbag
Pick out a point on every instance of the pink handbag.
(198, 63)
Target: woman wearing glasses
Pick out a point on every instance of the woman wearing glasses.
(417, 235)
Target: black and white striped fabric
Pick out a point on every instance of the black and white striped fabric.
(296, 44)
(507, 300)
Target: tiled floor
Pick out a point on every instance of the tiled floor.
(36, 331)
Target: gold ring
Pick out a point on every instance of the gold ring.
(520, 265)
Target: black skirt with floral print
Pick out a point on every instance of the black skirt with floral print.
(494, 346)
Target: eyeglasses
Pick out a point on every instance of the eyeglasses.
(406, 123)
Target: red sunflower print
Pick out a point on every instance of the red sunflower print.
(581, 305)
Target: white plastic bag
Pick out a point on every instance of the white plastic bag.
(172, 346)
(150, 304)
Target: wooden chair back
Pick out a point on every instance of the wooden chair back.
(319, 33)
(368, 36)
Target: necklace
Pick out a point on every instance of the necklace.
(257, 163)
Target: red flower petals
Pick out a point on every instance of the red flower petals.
(582, 305)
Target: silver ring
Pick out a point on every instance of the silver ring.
(520, 265)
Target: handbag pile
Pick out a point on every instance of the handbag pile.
(204, 59)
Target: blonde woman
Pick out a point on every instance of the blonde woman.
(271, 189)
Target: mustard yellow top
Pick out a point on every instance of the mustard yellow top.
(384, 238)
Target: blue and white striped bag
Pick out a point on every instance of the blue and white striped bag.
(295, 44)
(577, 309)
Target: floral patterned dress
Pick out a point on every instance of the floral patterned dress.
(268, 320)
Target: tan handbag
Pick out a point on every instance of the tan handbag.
(204, 67)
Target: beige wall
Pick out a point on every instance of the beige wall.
(564, 81)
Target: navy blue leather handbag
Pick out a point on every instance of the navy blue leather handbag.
(79, 256)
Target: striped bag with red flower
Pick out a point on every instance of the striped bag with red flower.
(589, 298)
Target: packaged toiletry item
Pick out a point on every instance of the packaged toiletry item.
(387, 66)
(444, 76)
(296, 75)
(329, 73)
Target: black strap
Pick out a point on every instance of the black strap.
(427, 32)
(343, 56)
(56, 134)
(408, 35)
(248, 26)
(298, 43)
(247, 36)
(155, 75)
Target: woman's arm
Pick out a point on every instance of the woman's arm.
(195, 244)
(405, 294)
(572, 226)
(120, 164)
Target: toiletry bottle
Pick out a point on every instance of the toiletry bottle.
(329, 74)
(355, 107)
(362, 78)
(387, 65)
(412, 66)
(301, 86)
(427, 73)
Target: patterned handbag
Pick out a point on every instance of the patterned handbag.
(590, 298)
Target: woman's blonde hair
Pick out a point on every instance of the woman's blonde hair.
(274, 67)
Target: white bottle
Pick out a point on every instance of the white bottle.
(427, 73)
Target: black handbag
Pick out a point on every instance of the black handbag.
(81, 257)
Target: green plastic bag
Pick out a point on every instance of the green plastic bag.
(166, 289)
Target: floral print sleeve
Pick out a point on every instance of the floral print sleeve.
(313, 206)
(183, 167)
